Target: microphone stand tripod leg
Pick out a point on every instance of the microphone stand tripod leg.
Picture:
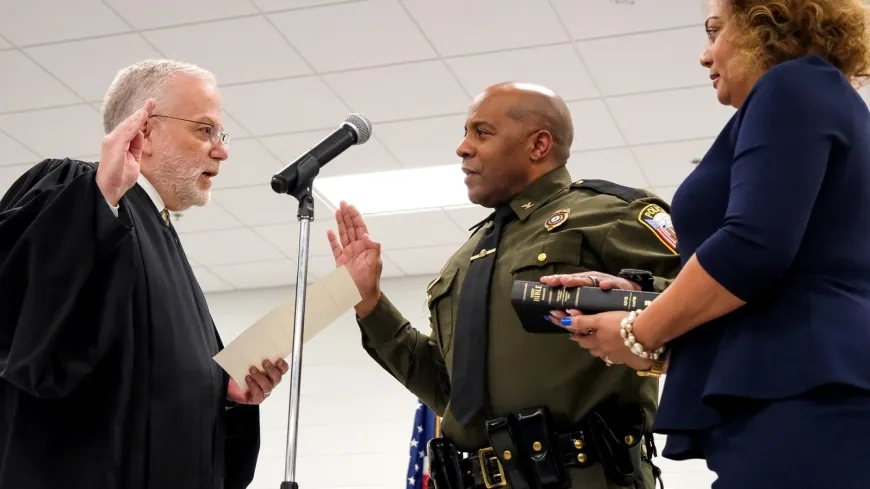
(305, 216)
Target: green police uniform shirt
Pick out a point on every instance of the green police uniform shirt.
(561, 227)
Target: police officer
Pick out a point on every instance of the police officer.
(507, 395)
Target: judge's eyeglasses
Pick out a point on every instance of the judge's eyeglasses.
(216, 133)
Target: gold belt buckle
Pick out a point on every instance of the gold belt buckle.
(482, 458)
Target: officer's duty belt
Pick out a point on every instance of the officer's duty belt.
(527, 454)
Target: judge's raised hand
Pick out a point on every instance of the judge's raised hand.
(355, 250)
(121, 154)
(260, 383)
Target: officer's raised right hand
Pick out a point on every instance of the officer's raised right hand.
(121, 153)
(354, 249)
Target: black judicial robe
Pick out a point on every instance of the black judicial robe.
(106, 373)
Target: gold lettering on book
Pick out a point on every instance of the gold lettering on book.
(537, 292)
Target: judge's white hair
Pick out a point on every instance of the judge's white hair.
(138, 82)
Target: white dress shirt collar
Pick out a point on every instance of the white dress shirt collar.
(152, 193)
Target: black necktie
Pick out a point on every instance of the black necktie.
(468, 386)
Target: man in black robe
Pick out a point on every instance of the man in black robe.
(107, 377)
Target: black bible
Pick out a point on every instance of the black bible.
(533, 302)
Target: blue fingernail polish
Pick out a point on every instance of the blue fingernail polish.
(566, 321)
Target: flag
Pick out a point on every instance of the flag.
(426, 427)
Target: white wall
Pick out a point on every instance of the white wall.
(355, 420)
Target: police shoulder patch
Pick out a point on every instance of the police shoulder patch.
(657, 220)
(627, 194)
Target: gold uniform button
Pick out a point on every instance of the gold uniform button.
(507, 455)
(578, 444)
(581, 457)
(542, 257)
(536, 446)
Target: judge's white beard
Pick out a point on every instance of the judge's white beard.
(179, 177)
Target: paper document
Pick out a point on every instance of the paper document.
(271, 337)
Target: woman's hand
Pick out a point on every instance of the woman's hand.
(589, 279)
(600, 335)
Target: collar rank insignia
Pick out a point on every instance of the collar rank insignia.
(557, 219)
(527, 205)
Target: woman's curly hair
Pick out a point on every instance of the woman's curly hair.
(769, 32)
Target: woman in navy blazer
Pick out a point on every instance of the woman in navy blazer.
(765, 333)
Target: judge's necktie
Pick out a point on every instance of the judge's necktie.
(468, 387)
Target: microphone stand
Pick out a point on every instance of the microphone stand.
(307, 170)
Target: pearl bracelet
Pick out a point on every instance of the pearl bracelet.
(632, 344)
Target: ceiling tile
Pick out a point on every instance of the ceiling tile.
(424, 142)
(43, 21)
(666, 193)
(276, 107)
(670, 116)
(605, 59)
(227, 246)
(414, 230)
(380, 32)
(161, 13)
(260, 274)
(75, 130)
(90, 76)
(11, 152)
(462, 27)
(394, 92)
(587, 20)
(669, 164)
(467, 216)
(423, 261)
(210, 217)
(260, 206)
(390, 269)
(285, 237)
(615, 165)
(273, 5)
(594, 128)
(237, 51)
(369, 157)
(249, 163)
(210, 282)
(232, 127)
(9, 174)
(555, 67)
(27, 86)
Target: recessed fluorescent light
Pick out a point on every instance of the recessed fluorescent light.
(413, 189)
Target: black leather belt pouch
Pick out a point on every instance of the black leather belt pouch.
(506, 447)
(444, 465)
(617, 435)
(540, 442)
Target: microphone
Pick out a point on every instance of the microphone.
(533, 300)
(356, 129)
